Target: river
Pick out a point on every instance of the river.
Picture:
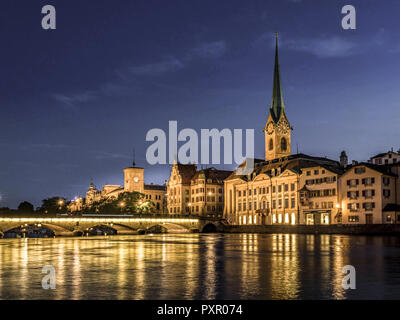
(201, 266)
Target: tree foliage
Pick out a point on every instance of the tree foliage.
(54, 205)
(126, 203)
(26, 207)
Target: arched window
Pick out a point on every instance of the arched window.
(283, 144)
(271, 144)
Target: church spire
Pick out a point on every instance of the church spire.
(277, 105)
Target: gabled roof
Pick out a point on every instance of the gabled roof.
(186, 171)
(380, 155)
(383, 169)
(295, 163)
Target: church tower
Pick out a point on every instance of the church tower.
(277, 129)
(134, 178)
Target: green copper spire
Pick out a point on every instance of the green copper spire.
(277, 105)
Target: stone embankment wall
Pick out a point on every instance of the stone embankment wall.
(388, 229)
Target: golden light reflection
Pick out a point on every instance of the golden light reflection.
(184, 266)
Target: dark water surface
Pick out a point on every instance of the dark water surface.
(201, 266)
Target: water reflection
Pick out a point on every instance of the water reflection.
(195, 266)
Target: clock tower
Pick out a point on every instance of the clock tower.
(134, 179)
(277, 129)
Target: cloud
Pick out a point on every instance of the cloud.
(75, 98)
(207, 50)
(108, 155)
(214, 49)
(323, 47)
(158, 68)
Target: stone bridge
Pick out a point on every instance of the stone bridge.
(68, 226)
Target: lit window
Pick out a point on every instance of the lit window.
(293, 218)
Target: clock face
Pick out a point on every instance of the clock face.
(283, 126)
(136, 179)
(270, 128)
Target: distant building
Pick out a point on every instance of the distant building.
(389, 157)
(196, 192)
(133, 182)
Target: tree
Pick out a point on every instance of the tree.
(125, 203)
(26, 207)
(53, 205)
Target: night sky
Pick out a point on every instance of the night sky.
(75, 101)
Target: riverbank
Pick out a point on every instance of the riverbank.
(369, 229)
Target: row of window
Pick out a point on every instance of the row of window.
(321, 205)
(316, 172)
(263, 190)
(355, 206)
(367, 181)
(196, 209)
(201, 190)
(265, 204)
(369, 218)
(322, 193)
(280, 218)
(321, 180)
(365, 193)
(157, 197)
(201, 198)
(386, 161)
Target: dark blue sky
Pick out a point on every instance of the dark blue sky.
(74, 101)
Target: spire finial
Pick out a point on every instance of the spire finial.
(133, 159)
(277, 105)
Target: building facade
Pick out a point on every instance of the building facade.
(368, 191)
(196, 192)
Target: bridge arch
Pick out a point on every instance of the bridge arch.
(168, 228)
(209, 228)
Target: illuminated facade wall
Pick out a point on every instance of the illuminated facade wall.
(196, 192)
(365, 194)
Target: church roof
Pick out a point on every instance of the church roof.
(277, 107)
(294, 163)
